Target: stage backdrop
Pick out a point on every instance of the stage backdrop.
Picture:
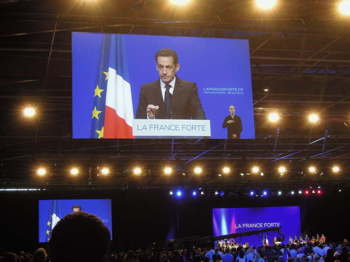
(238, 220)
(51, 211)
(108, 71)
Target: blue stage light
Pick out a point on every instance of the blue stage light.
(264, 193)
(179, 193)
(194, 193)
(252, 193)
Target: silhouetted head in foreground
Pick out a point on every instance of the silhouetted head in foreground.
(79, 237)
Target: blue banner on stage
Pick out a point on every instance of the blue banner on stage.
(239, 220)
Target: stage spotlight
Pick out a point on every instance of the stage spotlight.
(219, 175)
(264, 193)
(251, 193)
(179, 193)
(202, 193)
(313, 118)
(266, 90)
(255, 169)
(216, 193)
(105, 171)
(167, 170)
(340, 190)
(313, 191)
(179, 2)
(137, 171)
(242, 174)
(292, 192)
(344, 7)
(198, 170)
(41, 172)
(282, 170)
(274, 117)
(312, 169)
(74, 171)
(335, 169)
(171, 192)
(319, 192)
(266, 4)
(307, 192)
(300, 192)
(29, 112)
(262, 174)
(194, 193)
(226, 170)
(279, 193)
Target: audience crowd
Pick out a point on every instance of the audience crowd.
(82, 237)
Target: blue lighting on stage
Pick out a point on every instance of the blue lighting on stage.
(179, 193)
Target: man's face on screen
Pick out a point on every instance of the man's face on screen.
(167, 68)
(232, 110)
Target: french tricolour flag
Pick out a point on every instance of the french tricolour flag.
(117, 117)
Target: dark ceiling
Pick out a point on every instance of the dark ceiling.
(300, 53)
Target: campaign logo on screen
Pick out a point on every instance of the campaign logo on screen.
(145, 86)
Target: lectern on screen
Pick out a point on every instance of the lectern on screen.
(147, 86)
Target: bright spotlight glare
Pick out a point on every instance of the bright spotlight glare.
(335, 169)
(137, 171)
(29, 111)
(282, 170)
(279, 193)
(197, 170)
(226, 170)
(105, 171)
(171, 193)
(274, 117)
(313, 118)
(168, 170)
(255, 169)
(41, 171)
(266, 4)
(251, 193)
(312, 170)
(344, 7)
(300, 192)
(194, 193)
(292, 192)
(179, 193)
(264, 193)
(179, 2)
(74, 171)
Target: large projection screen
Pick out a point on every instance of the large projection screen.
(239, 220)
(110, 70)
(53, 210)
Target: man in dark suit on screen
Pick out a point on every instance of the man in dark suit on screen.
(233, 124)
(169, 97)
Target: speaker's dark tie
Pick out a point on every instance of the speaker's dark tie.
(167, 100)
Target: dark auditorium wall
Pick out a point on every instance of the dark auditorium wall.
(142, 217)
